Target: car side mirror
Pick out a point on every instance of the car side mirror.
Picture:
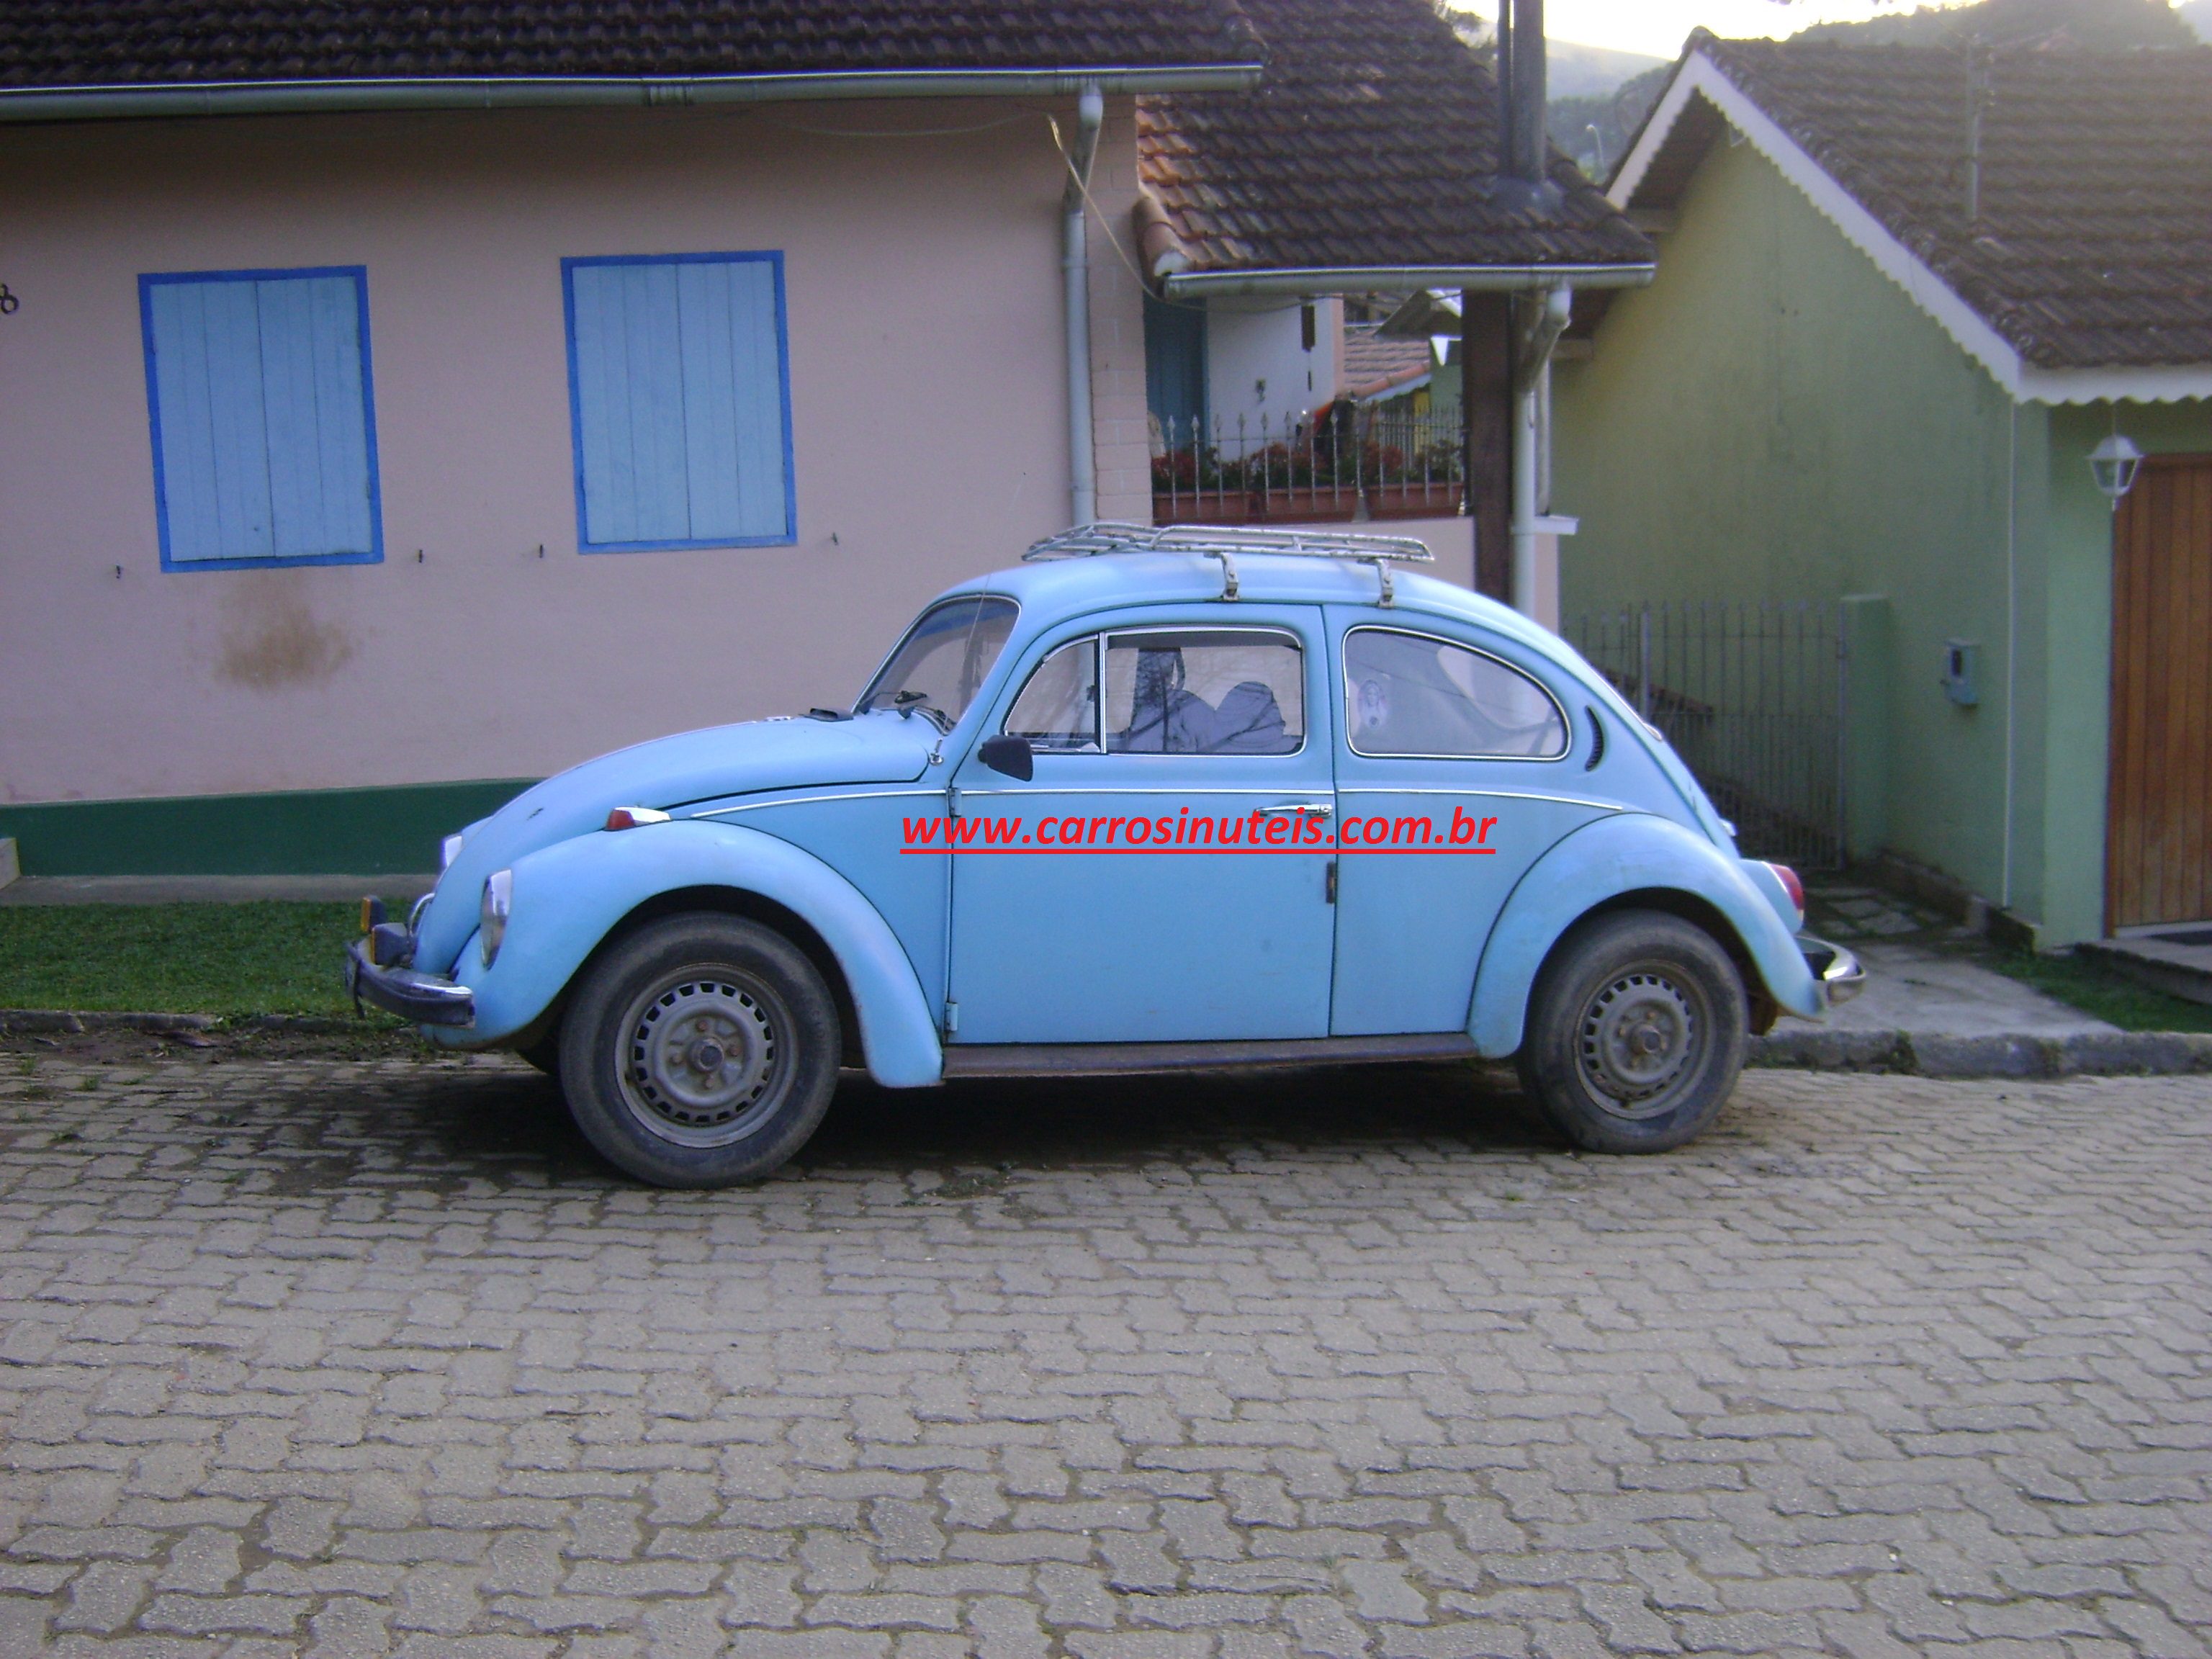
(1012, 756)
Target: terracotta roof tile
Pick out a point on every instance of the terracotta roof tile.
(2093, 245)
(60, 43)
(1375, 363)
(1371, 140)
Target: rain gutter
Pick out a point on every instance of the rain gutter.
(1375, 279)
(92, 103)
(1532, 366)
(1075, 274)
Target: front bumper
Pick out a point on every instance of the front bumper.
(419, 999)
(1835, 971)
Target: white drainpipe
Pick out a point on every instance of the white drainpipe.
(1075, 268)
(1555, 305)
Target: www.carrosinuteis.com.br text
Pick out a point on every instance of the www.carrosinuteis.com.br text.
(1277, 830)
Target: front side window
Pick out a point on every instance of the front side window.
(1205, 691)
(1415, 696)
(1058, 709)
(679, 389)
(265, 437)
(944, 660)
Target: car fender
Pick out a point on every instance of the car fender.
(568, 896)
(1632, 853)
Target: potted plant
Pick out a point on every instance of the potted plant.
(1195, 486)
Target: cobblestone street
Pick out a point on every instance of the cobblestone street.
(368, 1358)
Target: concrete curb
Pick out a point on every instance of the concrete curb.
(1909, 1054)
(1924, 1054)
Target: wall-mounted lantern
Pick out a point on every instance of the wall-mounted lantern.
(2112, 463)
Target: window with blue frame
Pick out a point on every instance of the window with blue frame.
(262, 405)
(679, 389)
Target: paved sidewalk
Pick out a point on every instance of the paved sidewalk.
(356, 1360)
(1922, 975)
(1914, 988)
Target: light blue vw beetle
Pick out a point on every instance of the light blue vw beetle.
(1157, 799)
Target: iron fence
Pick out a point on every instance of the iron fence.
(1342, 462)
(1752, 697)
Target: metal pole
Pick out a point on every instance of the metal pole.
(1843, 728)
(1643, 662)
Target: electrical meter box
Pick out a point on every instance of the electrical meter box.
(1961, 679)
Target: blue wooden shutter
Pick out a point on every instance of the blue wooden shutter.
(679, 392)
(263, 442)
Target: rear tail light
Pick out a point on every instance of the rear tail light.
(632, 817)
(1792, 886)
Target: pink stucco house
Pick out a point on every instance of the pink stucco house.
(402, 401)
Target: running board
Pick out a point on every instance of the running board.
(1107, 1059)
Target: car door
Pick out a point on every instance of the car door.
(1456, 769)
(1163, 875)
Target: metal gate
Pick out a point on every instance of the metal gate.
(1751, 696)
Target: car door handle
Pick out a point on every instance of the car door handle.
(1309, 809)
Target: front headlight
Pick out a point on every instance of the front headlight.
(491, 915)
(449, 849)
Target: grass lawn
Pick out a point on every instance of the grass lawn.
(275, 957)
(2097, 990)
(262, 959)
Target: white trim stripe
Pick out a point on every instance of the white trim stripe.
(1699, 76)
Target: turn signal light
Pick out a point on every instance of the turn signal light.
(632, 817)
(1792, 886)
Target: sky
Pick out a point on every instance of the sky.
(1657, 27)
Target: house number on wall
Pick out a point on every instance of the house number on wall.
(9, 303)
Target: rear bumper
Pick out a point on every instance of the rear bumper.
(1835, 971)
(419, 999)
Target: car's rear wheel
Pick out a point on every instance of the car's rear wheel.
(702, 1051)
(1636, 1030)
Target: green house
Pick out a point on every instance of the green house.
(1904, 295)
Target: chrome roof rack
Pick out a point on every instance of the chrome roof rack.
(1225, 542)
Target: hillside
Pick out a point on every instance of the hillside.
(2106, 25)
(1576, 70)
(1595, 127)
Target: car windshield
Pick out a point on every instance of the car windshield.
(941, 663)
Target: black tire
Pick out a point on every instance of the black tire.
(1637, 1030)
(702, 1051)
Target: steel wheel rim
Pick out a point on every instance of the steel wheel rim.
(703, 1059)
(1638, 1043)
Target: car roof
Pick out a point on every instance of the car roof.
(1054, 591)
(1051, 591)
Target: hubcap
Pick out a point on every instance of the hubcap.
(700, 1058)
(1638, 1036)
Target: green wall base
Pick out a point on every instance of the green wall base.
(306, 832)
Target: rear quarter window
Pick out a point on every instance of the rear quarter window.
(1416, 696)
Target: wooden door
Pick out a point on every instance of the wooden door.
(2159, 817)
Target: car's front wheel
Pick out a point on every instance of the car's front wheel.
(700, 1051)
(1636, 1030)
